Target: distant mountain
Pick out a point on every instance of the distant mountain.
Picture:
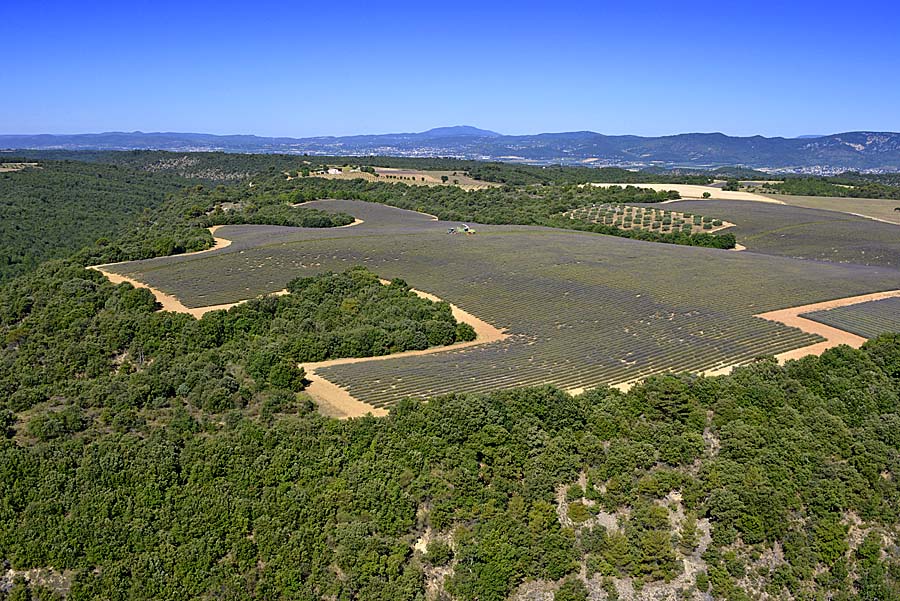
(866, 151)
(458, 131)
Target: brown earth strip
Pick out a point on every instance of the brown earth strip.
(337, 402)
(833, 336)
(331, 398)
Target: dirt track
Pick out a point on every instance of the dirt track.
(169, 302)
(833, 336)
(337, 402)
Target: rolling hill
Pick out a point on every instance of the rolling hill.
(869, 151)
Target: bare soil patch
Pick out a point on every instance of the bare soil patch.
(695, 191)
(9, 167)
(833, 336)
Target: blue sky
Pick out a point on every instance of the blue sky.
(320, 68)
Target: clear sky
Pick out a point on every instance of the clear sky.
(319, 68)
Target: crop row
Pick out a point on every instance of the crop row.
(865, 319)
(643, 218)
(582, 309)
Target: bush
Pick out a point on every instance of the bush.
(572, 589)
(438, 553)
(54, 424)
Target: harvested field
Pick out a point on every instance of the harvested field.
(868, 320)
(412, 177)
(9, 167)
(697, 191)
(581, 310)
(873, 208)
(802, 233)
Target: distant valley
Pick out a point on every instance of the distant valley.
(874, 152)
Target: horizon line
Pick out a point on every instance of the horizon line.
(405, 133)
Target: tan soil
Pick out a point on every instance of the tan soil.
(833, 336)
(9, 167)
(694, 191)
(169, 302)
(337, 402)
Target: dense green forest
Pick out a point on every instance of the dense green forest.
(110, 213)
(71, 338)
(48, 212)
(147, 454)
(149, 494)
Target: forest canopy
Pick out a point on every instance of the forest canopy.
(149, 454)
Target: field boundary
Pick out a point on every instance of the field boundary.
(172, 303)
(791, 317)
(168, 301)
(336, 401)
(332, 399)
(833, 336)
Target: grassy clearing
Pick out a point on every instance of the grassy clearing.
(582, 310)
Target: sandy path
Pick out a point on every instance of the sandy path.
(833, 336)
(338, 402)
(168, 301)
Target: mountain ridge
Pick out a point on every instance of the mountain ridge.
(859, 150)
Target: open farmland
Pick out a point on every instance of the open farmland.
(697, 191)
(804, 233)
(630, 217)
(865, 319)
(875, 208)
(10, 167)
(412, 177)
(581, 309)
